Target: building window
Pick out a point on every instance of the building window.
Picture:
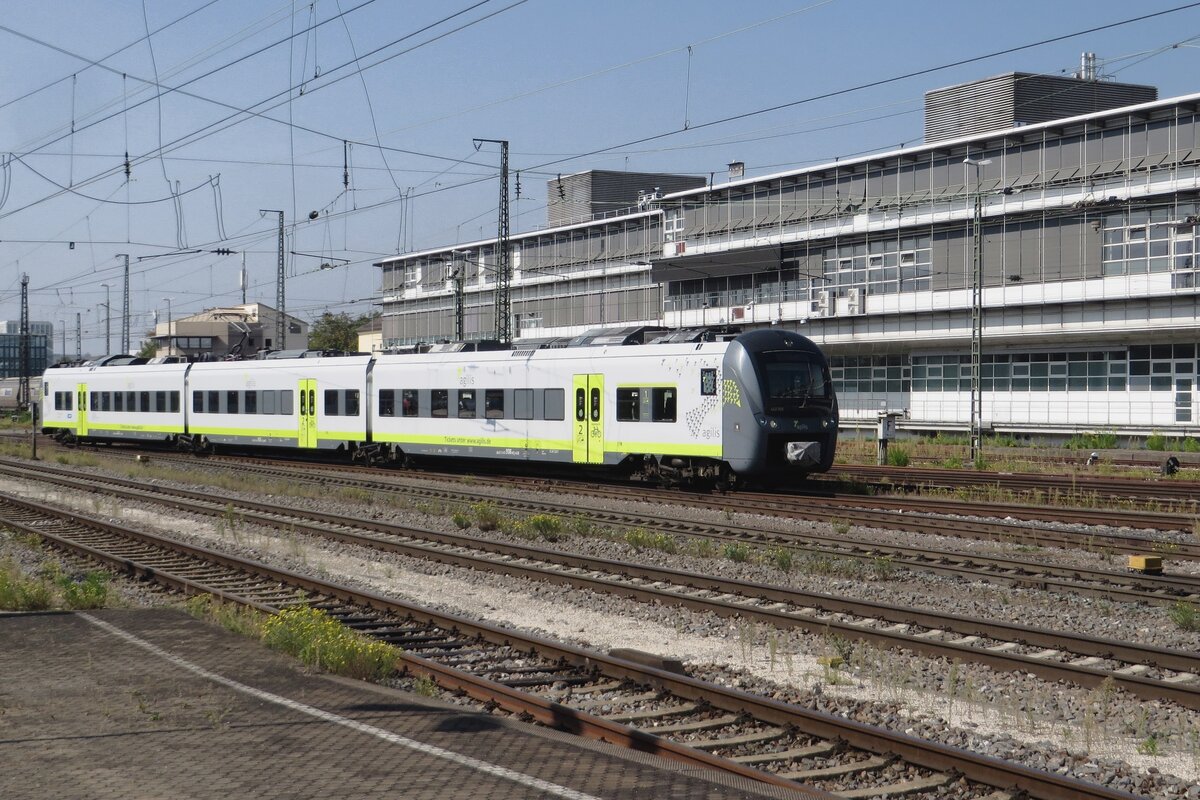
(881, 374)
(881, 266)
(1147, 240)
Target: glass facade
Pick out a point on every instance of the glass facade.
(10, 354)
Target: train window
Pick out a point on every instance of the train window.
(554, 404)
(285, 401)
(250, 402)
(106, 400)
(523, 404)
(303, 403)
(331, 403)
(267, 400)
(580, 405)
(174, 397)
(387, 402)
(214, 402)
(231, 402)
(131, 401)
(409, 404)
(493, 403)
(198, 402)
(95, 401)
(160, 401)
(595, 405)
(144, 401)
(439, 401)
(466, 403)
(708, 382)
(350, 407)
(628, 405)
(662, 404)
(119, 405)
(46, 389)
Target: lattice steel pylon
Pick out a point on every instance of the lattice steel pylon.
(976, 432)
(280, 287)
(503, 255)
(125, 310)
(23, 386)
(977, 330)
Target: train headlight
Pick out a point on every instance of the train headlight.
(761, 420)
(774, 424)
(825, 423)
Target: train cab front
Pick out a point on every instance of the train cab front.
(785, 422)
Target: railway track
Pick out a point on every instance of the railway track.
(846, 511)
(1149, 672)
(1111, 585)
(1168, 489)
(590, 693)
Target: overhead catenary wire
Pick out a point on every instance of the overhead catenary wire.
(206, 131)
(693, 126)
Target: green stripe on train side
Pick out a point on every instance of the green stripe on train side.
(93, 426)
(663, 448)
(474, 441)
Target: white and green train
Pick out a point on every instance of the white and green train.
(756, 404)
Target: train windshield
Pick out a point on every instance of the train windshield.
(791, 381)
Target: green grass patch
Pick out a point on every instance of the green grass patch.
(1092, 441)
(50, 588)
(897, 456)
(1185, 615)
(85, 591)
(323, 643)
(735, 551)
(19, 592)
(545, 526)
(487, 517)
(642, 539)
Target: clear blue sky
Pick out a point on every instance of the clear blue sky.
(560, 79)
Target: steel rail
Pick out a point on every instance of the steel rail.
(1185, 693)
(1172, 489)
(931, 755)
(1120, 586)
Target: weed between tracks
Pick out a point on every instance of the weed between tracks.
(323, 643)
(50, 587)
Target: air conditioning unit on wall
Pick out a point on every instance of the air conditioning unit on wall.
(824, 304)
(854, 300)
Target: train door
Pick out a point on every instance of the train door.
(588, 446)
(81, 395)
(308, 412)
